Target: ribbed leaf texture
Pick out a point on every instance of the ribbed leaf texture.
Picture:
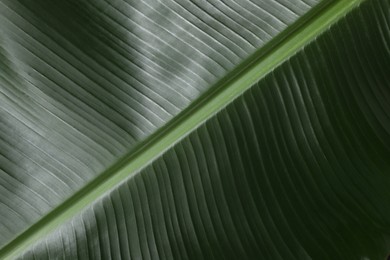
(82, 83)
(298, 167)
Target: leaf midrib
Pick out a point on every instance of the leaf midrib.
(263, 61)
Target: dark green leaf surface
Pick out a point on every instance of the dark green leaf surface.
(82, 83)
(298, 167)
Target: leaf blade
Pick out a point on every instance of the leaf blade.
(72, 109)
(336, 251)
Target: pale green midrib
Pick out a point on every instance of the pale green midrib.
(227, 91)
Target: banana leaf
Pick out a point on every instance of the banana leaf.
(194, 129)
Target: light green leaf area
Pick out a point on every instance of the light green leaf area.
(195, 130)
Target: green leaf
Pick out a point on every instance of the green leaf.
(85, 85)
(104, 144)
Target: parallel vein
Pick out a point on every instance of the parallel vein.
(270, 57)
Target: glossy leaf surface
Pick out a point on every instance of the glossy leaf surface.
(297, 167)
(84, 82)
